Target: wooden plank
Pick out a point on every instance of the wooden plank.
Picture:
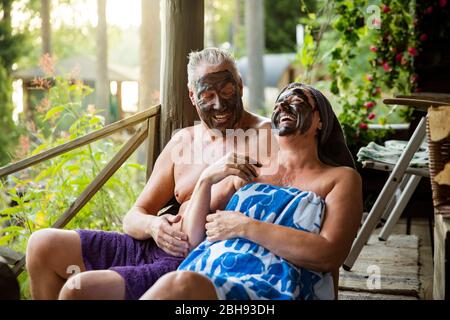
(182, 32)
(421, 104)
(443, 97)
(79, 142)
(441, 277)
(397, 260)
(96, 184)
(438, 122)
(353, 295)
(10, 256)
(152, 144)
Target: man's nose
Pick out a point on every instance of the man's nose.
(218, 103)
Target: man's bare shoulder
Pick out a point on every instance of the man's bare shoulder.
(259, 122)
(183, 135)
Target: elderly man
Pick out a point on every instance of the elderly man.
(123, 266)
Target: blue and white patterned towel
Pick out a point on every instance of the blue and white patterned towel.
(242, 269)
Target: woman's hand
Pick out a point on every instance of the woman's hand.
(224, 225)
(232, 164)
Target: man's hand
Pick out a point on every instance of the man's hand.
(224, 225)
(167, 237)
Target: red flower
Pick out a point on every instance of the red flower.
(386, 67)
(369, 77)
(428, 10)
(412, 51)
(399, 56)
(423, 37)
(363, 126)
(373, 49)
(369, 104)
(371, 116)
(442, 3)
(386, 9)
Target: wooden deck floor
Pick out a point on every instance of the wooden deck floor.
(405, 263)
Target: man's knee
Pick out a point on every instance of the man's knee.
(40, 245)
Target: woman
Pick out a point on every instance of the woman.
(281, 236)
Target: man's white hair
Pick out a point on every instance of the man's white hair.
(210, 57)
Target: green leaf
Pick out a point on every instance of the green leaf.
(53, 111)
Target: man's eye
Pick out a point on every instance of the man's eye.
(207, 95)
(227, 93)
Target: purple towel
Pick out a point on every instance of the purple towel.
(140, 263)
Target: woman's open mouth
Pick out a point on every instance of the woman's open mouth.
(286, 118)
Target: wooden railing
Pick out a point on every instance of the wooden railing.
(149, 129)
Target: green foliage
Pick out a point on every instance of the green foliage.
(43, 192)
(11, 47)
(280, 21)
(372, 54)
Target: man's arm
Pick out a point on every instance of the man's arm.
(141, 221)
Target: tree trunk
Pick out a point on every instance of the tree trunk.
(150, 62)
(150, 54)
(45, 26)
(254, 23)
(210, 35)
(236, 23)
(102, 81)
(182, 30)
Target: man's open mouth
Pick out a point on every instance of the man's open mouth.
(222, 118)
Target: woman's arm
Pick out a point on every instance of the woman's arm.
(321, 252)
(200, 203)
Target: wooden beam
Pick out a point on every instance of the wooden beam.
(96, 184)
(182, 32)
(79, 142)
(441, 281)
(421, 104)
(152, 144)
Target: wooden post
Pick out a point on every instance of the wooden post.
(46, 26)
(152, 143)
(119, 100)
(182, 32)
(441, 281)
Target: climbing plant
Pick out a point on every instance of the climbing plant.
(373, 54)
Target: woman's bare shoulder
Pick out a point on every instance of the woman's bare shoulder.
(346, 177)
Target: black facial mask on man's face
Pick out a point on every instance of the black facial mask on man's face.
(292, 115)
(219, 100)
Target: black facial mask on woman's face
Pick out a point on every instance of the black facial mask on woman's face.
(219, 100)
(293, 113)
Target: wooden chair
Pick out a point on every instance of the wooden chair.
(421, 102)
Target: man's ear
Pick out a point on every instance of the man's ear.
(241, 86)
(191, 96)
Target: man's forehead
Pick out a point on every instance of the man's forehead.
(216, 77)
